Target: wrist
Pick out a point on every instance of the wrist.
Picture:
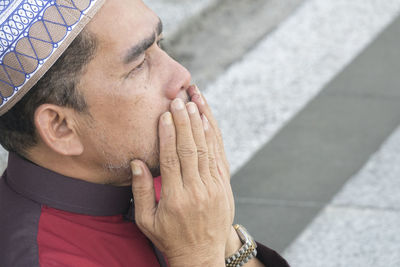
(247, 252)
(198, 256)
(190, 262)
(233, 243)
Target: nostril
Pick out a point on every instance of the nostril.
(183, 94)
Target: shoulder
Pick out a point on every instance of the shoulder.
(18, 227)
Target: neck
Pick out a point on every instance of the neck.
(78, 167)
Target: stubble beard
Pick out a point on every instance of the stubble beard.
(118, 164)
(117, 161)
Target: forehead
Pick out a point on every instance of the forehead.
(120, 24)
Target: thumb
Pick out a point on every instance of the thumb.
(143, 193)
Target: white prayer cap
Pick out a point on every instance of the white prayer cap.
(33, 35)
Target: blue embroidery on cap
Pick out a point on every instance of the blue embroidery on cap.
(4, 5)
(28, 37)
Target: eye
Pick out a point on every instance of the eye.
(137, 68)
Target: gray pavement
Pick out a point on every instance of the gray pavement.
(177, 13)
(223, 33)
(360, 227)
(301, 169)
(259, 94)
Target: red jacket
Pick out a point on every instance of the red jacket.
(48, 219)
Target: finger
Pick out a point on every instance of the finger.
(204, 108)
(210, 145)
(219, 160)
(169, 161)
(185, 145)
(222, 163)
(143, 195)
(202, 104)
(199, 139)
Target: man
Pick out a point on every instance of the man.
(91, 116)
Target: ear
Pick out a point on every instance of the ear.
(57, 128)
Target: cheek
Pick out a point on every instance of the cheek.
(138, 121)
(131, 112)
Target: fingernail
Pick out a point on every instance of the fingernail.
(136, 169)
(205, 122)
(196, 89)
(199, 98)
(166, 118)
(199, 93)
(191, 107)
(177, 104)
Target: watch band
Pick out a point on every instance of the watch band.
(246, 252)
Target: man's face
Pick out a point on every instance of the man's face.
(128, 84)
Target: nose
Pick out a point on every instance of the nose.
(178, 80)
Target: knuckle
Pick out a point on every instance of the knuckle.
(204, 200)
(169, 161)
(198, 130)
(216, 195)
(176, 208)
(187, 151)
(202, 152)
(200, 201)
(140, 220)
(212, 159)
(200, 197)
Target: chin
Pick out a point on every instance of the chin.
(154, 166)
(153, 161)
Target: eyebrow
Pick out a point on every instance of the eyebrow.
(138, 49)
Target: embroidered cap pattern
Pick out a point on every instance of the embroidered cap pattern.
(33, 34)
(4, 5)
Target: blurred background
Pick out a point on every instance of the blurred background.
(307, 95)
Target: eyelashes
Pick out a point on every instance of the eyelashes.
(139, 67)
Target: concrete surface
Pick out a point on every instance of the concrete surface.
(361, 225)
(327, 142)
(255, 97)
(215, 39)
(177, 13)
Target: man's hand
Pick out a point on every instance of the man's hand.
(222, 162)
(233, 243)
(194, 216)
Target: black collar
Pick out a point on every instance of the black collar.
(65, 193)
